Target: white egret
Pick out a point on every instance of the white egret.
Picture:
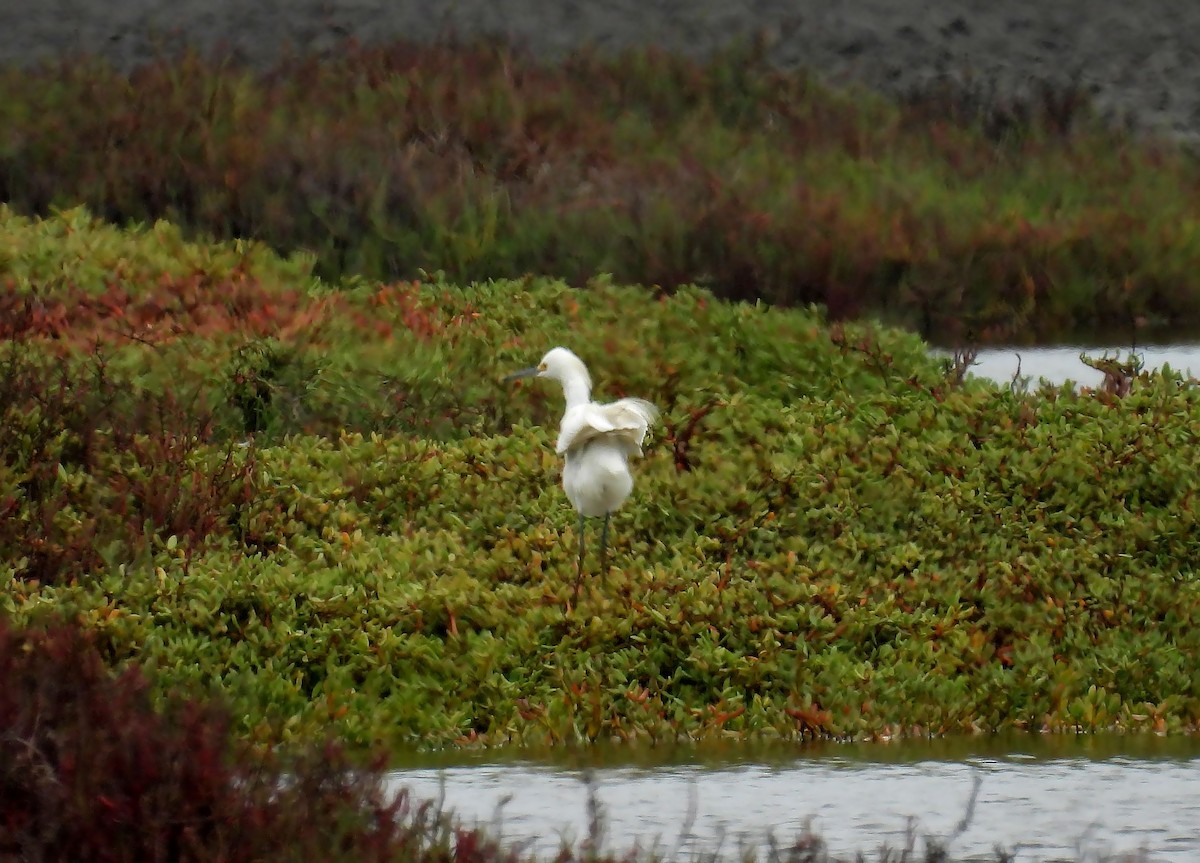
(596, 441)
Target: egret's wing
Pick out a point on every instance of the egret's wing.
(631, 416)
(624, 420)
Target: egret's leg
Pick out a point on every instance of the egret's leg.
(579, 572)
(604, 545)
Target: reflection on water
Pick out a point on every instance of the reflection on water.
(1061, 363)
(1047, 796)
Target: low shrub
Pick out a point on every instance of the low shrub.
(959, 212)
(96, 470)
(90, 771)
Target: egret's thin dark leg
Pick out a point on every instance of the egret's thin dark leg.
(604, 545)
(579, 573)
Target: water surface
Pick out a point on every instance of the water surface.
(1051, 797)
(1059, 364)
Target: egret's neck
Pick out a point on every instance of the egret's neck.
(576, 390)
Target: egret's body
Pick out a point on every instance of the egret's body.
(596, 478)
(596, 441)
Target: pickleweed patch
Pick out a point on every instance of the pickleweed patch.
(356, 527)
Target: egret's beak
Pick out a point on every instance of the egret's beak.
(523, 373)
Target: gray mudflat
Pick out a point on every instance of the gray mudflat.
(1139, 58)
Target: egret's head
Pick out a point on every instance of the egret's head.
(558, 364)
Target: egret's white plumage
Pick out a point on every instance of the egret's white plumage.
(596, 441)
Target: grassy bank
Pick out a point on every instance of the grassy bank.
(954, 213)
(320, 502)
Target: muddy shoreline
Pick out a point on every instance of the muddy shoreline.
(1139, 60)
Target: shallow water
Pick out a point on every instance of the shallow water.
(1060, 363)
(1051, 798)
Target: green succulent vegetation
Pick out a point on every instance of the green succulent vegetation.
(952, 211)
(317, 500)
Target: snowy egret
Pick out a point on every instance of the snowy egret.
(596, 441)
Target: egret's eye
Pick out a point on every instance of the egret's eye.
(541, 367)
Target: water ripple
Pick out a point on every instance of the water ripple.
(1049, 808)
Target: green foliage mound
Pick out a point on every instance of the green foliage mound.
(828, 535)
(950, 211)
(269, 345)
